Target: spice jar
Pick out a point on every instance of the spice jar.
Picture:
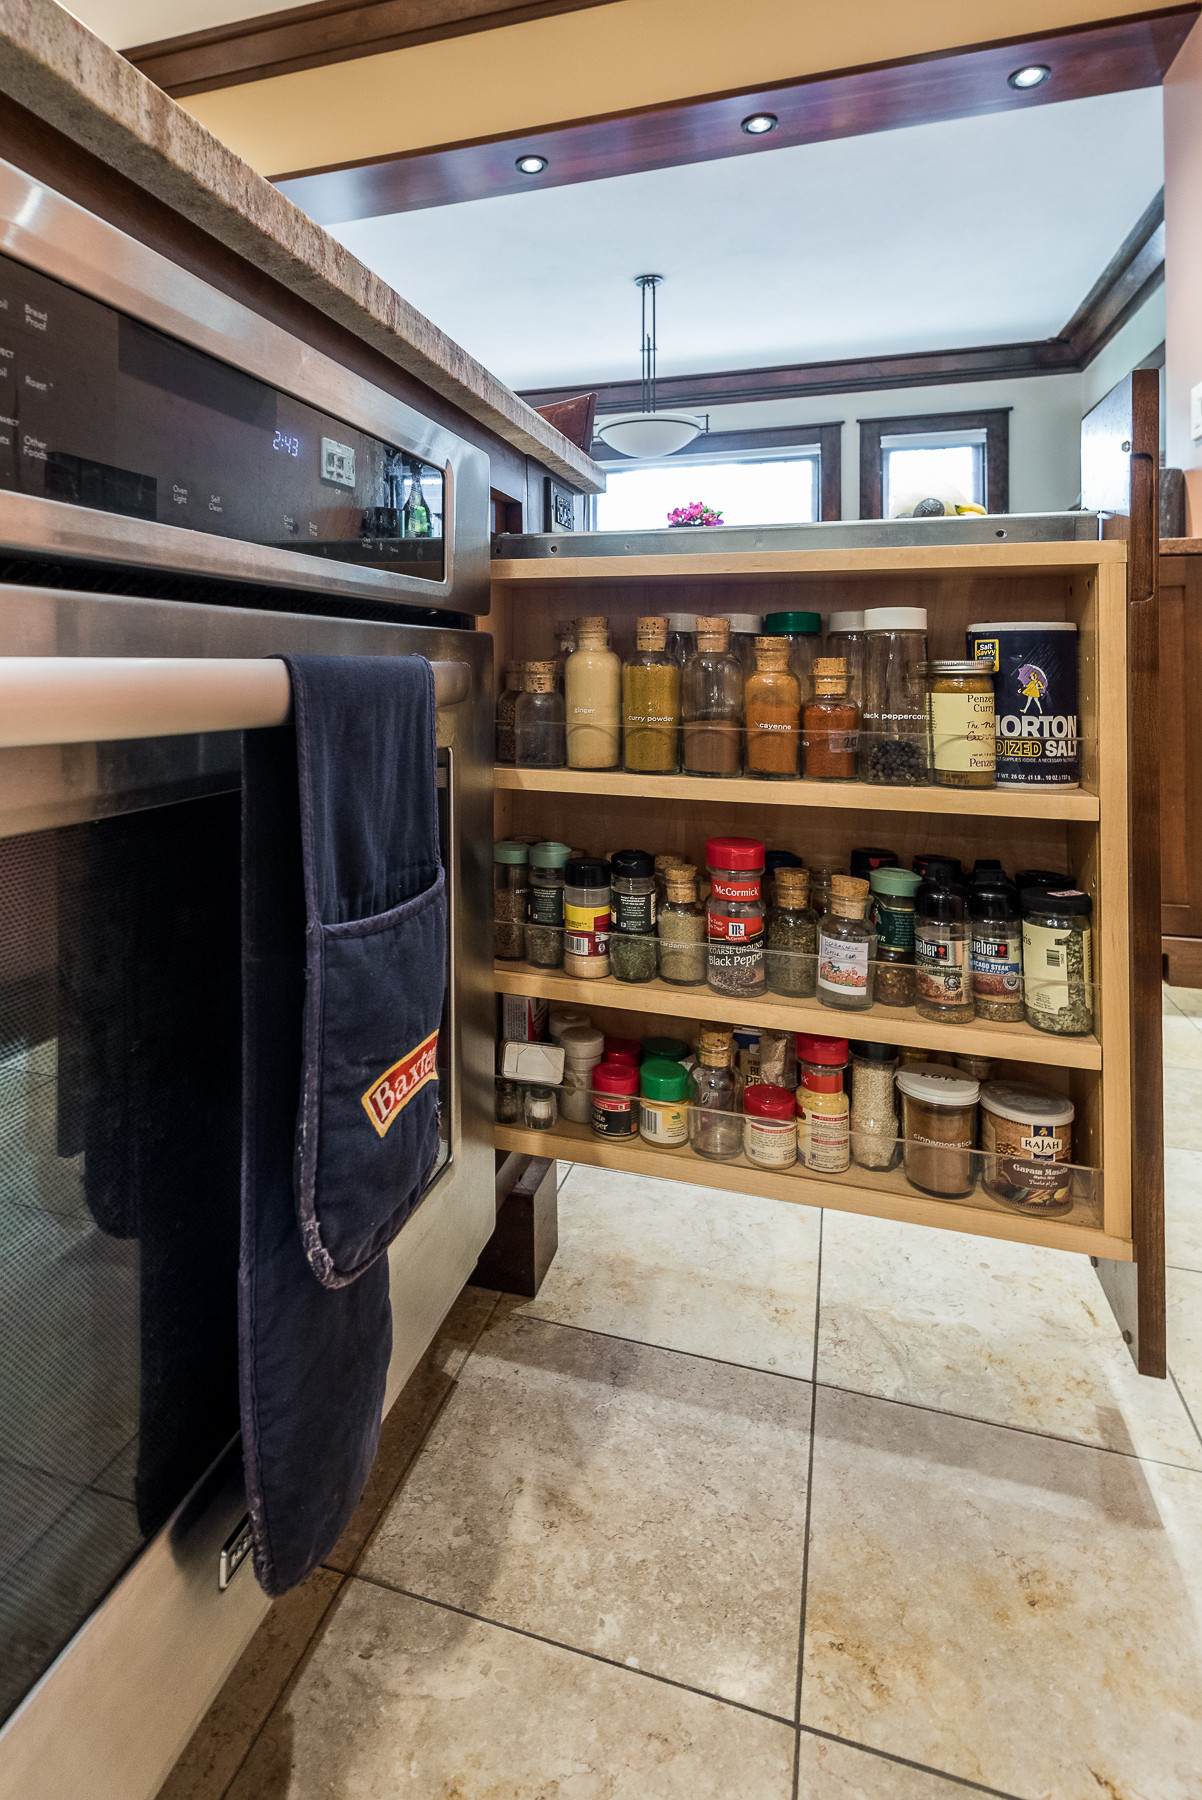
(506, 711)
(683, 954)
(867, 857)
(582, 1048)
(791, 937)
(592, 681)
(663, 1104)
(774, 860)
(1026, 1147)
(846, 947)
(893, 724)
(632, 945)
(819, 1055)
(734, 915)
(823, 869)
(747, 1054)
(586, 918)
(509, 1103)
(665, 1049)
(893, 892)
(1057, 960)
(650, 702)
(625, 1050)
(770, 1127)
(996, 953)
(565, 638)
(539, 1108)
(822, 1124)
(744, 629)
(510, 898)
(544, 933)
(682, 637)
(845, 638)
(711, 704)
(874, 1123)
(832, 724)
(961, 741)
(943, 989)
(561, 1021)
(615, 1109)
(803, 630)
(539, 720)
(772, 701)
(715, 1122)
(939, 1113)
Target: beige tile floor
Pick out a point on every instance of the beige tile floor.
(762, 1504)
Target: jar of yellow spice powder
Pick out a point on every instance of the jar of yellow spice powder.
(651, 702)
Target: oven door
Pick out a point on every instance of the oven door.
(120, 1077)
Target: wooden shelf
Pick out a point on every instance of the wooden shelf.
(880, 1024)
(886, 1196)
(964, 559)
(846, 796)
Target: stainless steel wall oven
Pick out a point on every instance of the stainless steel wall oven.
(179, 480)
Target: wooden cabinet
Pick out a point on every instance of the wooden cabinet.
(1181, 760)
(1084, 830)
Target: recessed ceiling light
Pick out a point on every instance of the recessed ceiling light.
(1033, 76)
(756, 124)
(531, 165)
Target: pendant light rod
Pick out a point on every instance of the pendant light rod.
(648, 284)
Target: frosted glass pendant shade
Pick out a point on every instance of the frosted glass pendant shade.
(647, 435)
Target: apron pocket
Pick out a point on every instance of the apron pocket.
(367, 1136)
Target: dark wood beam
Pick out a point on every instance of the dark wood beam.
(1131, 276)
(308, 37)
(1102, 58)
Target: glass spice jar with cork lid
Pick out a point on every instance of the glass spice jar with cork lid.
(832, 724)
(538, 721)
(711, 704)
(683, 950)
(846, 947)
(715, 1122)
(650, 702)
(506, 748)
(593, 698)
(791, 937)
(772, 703)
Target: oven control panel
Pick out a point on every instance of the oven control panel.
(100, 410)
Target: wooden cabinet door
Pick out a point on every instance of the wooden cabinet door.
(1181, 767)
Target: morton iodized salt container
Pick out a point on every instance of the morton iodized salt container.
(1034, 697)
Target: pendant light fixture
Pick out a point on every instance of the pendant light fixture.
(649, 433)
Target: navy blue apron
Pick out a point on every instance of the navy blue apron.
(344, 966)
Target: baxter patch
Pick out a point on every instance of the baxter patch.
(396, 1087)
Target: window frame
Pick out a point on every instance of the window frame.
(712, 446)
(995, 423)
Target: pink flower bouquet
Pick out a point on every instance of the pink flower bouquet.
(695, 513)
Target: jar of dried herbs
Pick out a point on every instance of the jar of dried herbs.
(893, 892)
(510, 898)
(683, 951)
(791, 937)
(1058, 960)
(650, 702)
(544, 932)
(632, 946)
(941, 951)
(507, 711)
(996, 957)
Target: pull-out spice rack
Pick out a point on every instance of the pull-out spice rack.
(1083, 829)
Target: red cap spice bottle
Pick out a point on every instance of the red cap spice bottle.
(627, 1050)
(735, 915)
(615, 1112)
(770, 1126)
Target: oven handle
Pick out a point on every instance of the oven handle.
(95, 699)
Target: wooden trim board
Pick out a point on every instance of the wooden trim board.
(969, 559)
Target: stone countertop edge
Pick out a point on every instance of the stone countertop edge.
(60, 71)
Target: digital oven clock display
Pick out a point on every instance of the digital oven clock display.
(289, 445)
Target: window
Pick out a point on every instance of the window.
(639, 496)
(944, 456)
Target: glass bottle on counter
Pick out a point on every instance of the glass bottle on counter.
(803, 631)
(845, 638)
(943, 989)
(832, 724)
(632, 946)
(715, 1123)
(538, 723)
(996, 951)
(846, 947)
(683, 952)
(893, 726)
(507, 706)
(650, 703)
(772, 703)
(544, 932)
(510, 898)
(1057, 960)
(791, 937)
(711, 704)
(593, 699)
(682, 637)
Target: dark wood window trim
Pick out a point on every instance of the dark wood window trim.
(995, 424)
(714, 445)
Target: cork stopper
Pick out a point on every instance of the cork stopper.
(849, 895)
(681, 886)
(651, 633)
(830, 674)
(668, 859)
(540, 678)
(713, 634)
(772, 654)
(792, 886)
(565, 628)
(513, 674)
(592, 631)
(715, 1045)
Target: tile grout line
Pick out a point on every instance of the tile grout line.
(907, 1762)
(536, 1637)
(1184, 1402)
(805, 1541)
(943, 1412)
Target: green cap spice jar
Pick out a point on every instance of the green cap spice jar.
(892, 903)
(663, 1103)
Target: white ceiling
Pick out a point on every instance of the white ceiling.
(975, 231)
(123, 23)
